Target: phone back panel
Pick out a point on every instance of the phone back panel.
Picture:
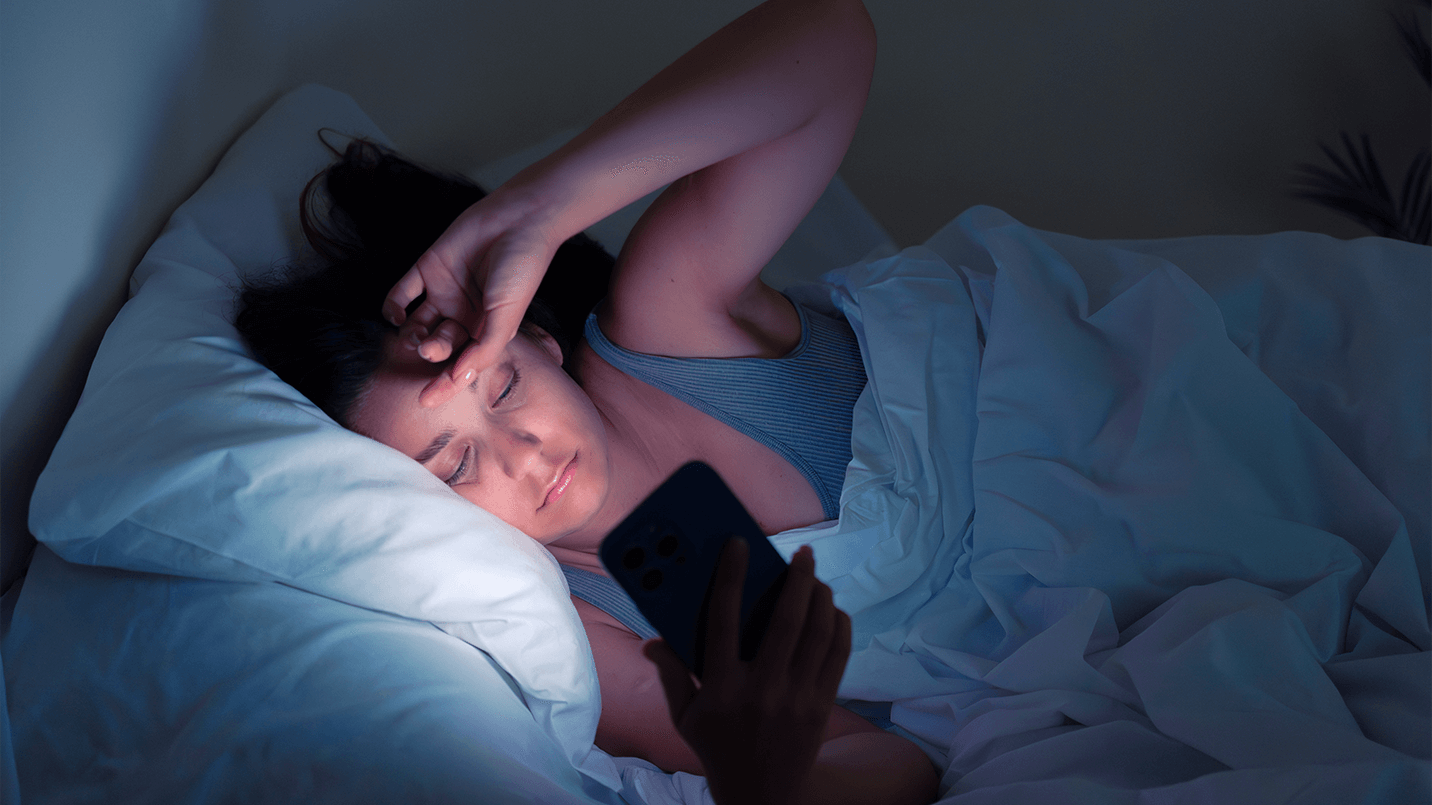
(664, 554)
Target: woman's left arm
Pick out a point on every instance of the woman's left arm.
(762, 728)
(752, 123)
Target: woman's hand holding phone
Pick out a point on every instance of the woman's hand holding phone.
(758, 726)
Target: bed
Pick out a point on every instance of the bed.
(1126, 521)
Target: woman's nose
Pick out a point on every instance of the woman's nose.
(519, 452)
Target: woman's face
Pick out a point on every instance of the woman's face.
(523, 441)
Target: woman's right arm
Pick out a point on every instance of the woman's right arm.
(756, 118)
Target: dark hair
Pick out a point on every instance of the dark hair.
(369, 216)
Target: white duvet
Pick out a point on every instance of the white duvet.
(1093, 549)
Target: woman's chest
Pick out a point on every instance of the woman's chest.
(665, 432)
(776, 494)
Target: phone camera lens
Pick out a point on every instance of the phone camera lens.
(667, 546)
(633, 558)
(651, 579)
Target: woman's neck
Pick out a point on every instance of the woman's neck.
(643, 449)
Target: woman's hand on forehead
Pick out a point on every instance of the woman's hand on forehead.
(479, 278)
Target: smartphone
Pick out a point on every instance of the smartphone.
(664, 554)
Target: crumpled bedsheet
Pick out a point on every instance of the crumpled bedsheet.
(1093, 552)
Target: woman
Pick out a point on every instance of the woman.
(748, 128)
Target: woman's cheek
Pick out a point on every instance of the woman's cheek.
(495, 504)
(503, 507)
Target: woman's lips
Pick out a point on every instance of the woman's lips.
(560, 485)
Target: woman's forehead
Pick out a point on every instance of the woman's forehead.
(398, 383)
(389, 411)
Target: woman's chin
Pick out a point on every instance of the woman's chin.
(578, 521)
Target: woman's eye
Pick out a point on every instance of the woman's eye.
(511, 385)
(461, 468)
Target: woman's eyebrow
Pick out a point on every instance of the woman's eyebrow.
(436, 447)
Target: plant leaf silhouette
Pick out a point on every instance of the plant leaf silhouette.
(1356, 188)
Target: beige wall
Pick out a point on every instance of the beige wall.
(1113, 118)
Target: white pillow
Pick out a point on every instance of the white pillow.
(187, 457)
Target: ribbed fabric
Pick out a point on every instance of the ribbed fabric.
(798, 405)
(608, 596)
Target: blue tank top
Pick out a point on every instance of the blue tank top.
(799, 405)
(608, 596)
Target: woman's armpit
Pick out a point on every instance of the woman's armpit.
(636, 721)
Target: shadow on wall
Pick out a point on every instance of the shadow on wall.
(138, 124)
(1350, 180)
(90, 175)
(1126, 119)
